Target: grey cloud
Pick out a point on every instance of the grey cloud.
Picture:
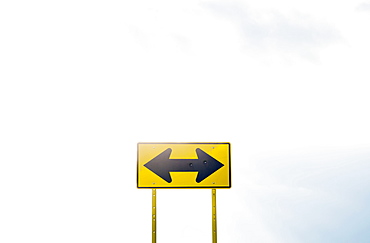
(299, 34)
(364, 7)
(319, 197)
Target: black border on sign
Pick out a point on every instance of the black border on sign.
(187, 187)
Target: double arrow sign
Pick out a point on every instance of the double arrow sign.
(155, 165)
(162, 165)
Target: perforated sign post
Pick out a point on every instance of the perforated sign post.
(183, 165)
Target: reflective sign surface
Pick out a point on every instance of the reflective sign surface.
(183, 165)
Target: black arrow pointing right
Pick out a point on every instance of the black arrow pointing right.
(162, 165)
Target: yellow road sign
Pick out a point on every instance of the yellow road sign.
(183, 165)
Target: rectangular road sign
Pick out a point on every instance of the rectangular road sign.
(183, 165)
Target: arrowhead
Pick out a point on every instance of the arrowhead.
(207, 165)
(159, 165)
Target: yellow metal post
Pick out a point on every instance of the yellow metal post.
(154, 216)
(214, 219)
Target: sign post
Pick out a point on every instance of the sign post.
(154, 216)
(214, 219)
(183, 165)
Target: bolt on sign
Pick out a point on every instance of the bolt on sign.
(183, 165)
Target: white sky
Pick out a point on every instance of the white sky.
(286, 82)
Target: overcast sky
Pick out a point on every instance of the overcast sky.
(285, 82)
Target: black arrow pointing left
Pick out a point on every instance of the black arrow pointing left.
(162, 165)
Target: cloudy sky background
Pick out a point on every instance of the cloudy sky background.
(286, 82)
